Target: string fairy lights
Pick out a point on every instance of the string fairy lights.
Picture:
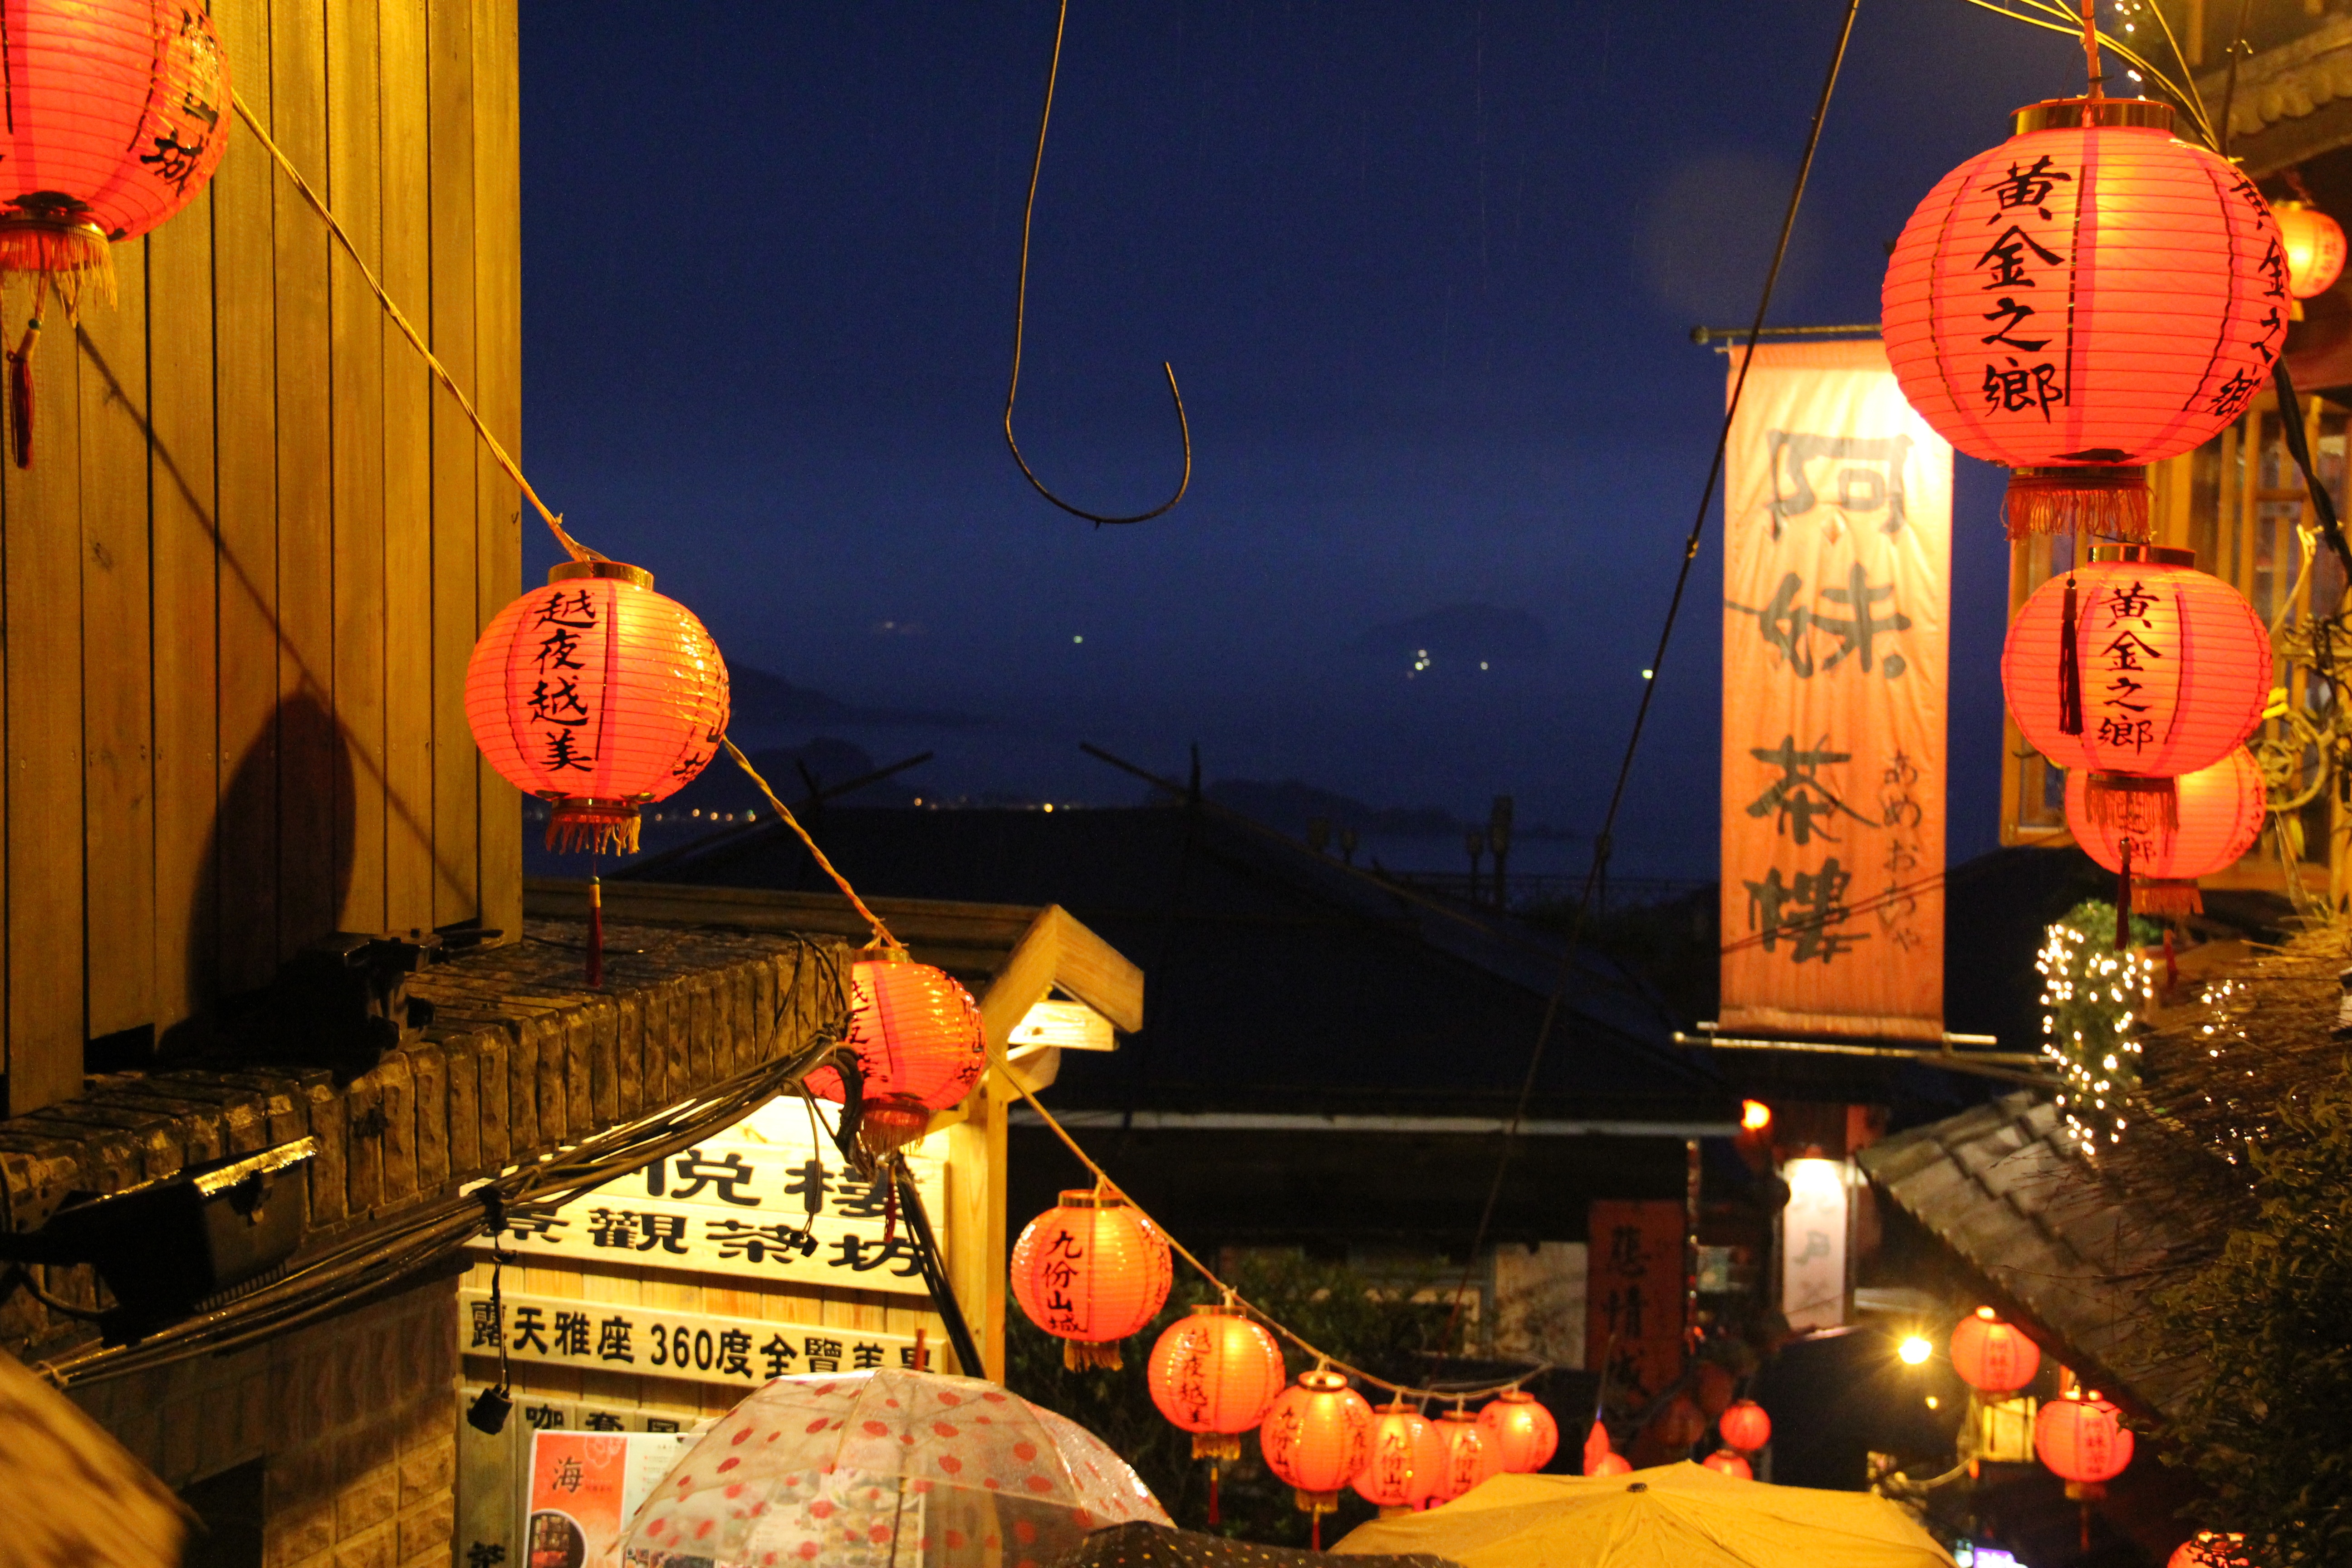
(2092, 1001)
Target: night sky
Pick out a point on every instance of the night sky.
(1425, 271)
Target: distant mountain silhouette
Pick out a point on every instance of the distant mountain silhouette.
(761, 698)
(1460, 634)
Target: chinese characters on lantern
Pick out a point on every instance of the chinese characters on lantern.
(2019, 259)
(1835, 594)
(563, 633)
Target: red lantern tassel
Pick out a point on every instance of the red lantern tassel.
(2108, 500)
(2070, 668)
(2123, 900)
(1214, 1519)
(595, 934)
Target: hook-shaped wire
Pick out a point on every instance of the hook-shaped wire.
(1019, 318)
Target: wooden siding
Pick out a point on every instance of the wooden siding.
(242, 577)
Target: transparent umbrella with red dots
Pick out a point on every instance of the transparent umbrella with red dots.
(884, 1469)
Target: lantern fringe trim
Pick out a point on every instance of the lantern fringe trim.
(2109, 500)
(2112, 800)
(72, 257)
(2167, 898)
(890, 1124)
(1079, 1355)
(1223, 1445)
(1315, 1502)
(578, 825)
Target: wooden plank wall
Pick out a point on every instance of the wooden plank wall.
(242, 576)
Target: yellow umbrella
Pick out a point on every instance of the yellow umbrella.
(1676, 1516)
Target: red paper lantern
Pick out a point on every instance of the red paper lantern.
(919, 1044)
(118, 114)
(1730, 1464)
(1215, 1374)
(1611, 1464)
(1992, 1356)
(1597, 1450)
(1469, 1458)
(2082, 1439)
(2090, 297)
(2168, 832)
(1317, 1437)
(2212, 1548)
(2158, 671)
(1408, 1459)
(596, 695)
(1520, 1433)
(1745, 1426)
(2315, 247)
(1091, 1271)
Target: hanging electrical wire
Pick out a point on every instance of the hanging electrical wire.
(1021, 317)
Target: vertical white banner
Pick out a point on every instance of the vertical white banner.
(1814, 1242)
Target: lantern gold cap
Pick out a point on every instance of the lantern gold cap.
(1091, 1198)
(2160, 554)
(619, 572)
(2063, 114)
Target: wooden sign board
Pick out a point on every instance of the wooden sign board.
(764, 1200)
(609, 1336)
(1633, 1294)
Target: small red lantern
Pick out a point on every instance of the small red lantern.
(1712, 1390)
(1091, 1271)
(2212, 1548)
(2136, 662)
(1994, 1356)
(1611, 1464)
(1745, 1426)
(1469, 1458)
(118, 114)
(2166, 833)
(2314, 248)
(1408, 1460)
(597, 694)
(1596, 1450)
(1215, 1374)
(919, 1044)
(1520, 1433)
(2082, 1439)
(1726, 1462)
(2090, 297)
(1317, 1437)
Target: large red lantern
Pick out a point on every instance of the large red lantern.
(118, 114)
(1520, 1433)
(1469, 1458)
(1408, 1460)
(1215, 1374)
(2314, 248)
(2090, 297)
(1316, 1438)
(1091, 1271)
(2082, 1439)
(919, 1044)
(1722, 1461)
(596, 695)
(2136, 662)
(1992, 1356)
(2212, 1548)
(1745, 1426)
(2166, 833)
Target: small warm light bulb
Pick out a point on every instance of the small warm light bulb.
(1915, 1351)
(1933, 1404)
(1755, 1115)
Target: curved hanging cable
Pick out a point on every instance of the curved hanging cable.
(1019, 318)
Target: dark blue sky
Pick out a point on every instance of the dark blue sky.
(1425, 271)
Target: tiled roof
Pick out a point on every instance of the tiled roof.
(2005, 1187)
